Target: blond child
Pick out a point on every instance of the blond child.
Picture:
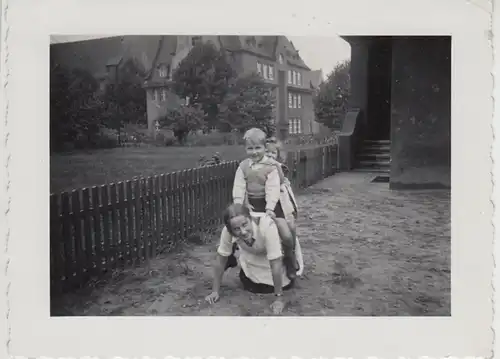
(257, 184)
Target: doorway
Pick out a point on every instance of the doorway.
(379, 89)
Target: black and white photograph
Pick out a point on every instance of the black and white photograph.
(242, 175)
(266, 179)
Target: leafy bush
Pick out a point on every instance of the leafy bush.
(183, 120)
(214, 138)
(316, 139)
(214, 160)
(164, 139)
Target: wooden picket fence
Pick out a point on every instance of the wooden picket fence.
(94, 231)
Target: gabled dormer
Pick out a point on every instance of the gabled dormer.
(112, 68)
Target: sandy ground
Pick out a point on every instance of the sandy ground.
(368, 251)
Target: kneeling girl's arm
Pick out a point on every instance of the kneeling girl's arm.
(223, 252)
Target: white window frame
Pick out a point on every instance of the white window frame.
(294, 100)
(290, 100)
(295, 126)
(271, 72)
(163, 94)
(259, 68)
(299, 101)
(299, 79)
(162, 71)
(281, 59)
(290, 76)
(155, 95)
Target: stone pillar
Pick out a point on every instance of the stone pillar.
(421, 112)
(359, 73)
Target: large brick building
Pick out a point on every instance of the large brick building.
(274, 57)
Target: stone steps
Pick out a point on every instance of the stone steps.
(374, 156)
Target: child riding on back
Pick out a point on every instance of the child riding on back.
(258, 182)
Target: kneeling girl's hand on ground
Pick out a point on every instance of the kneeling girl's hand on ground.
(278, 306)
(212, 297)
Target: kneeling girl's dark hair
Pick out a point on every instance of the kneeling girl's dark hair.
(234, 210)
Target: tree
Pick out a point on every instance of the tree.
(332, 100)
(203, 76)
(183, 120)
(78, 110)
(125, 101)
(71, 97)
(248, 103)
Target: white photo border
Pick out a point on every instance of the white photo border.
(27, 26)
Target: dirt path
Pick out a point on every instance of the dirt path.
(368, 252)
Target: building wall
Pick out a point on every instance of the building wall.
(245, 63)
(421, 113)
(248, 64)
(359, 73)
(156, 108)
(308, 123)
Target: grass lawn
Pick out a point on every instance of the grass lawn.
(93, 168)
(86, 169)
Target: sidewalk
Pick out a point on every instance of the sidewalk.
(368, 251)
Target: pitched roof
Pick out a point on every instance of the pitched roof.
(91, 55)
(115, 61)
(264, 46)
(316, 78)
(292, 55)
(95, 54)
(231, 43)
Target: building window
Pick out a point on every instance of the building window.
(163, 71)
(290, 100)
(281, 59)
(294, 101)
(294, 126)
(266, 71)
(164, 94)
(155, 95)
(299, 101)
(294, 78)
